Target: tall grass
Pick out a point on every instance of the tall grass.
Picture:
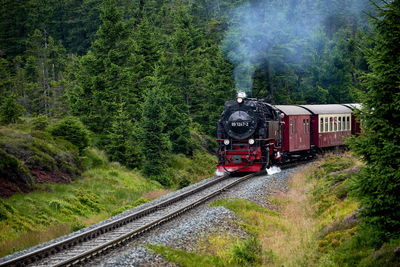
(57, 209)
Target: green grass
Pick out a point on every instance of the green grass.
(99, 189)
(99, 194)
(246, 252)
(184, 258)
(343, 242)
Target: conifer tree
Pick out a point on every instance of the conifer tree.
(43, 69)
(123, 145)
(379, 145)
(10, 110)
(154, 135)
(105, 78)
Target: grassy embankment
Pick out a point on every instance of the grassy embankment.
(85, 188)
(313, 224)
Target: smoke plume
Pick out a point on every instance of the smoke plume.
(260, 31)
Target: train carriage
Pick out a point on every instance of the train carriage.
(330, 124)
(296, 140)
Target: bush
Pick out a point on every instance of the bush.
(10, 111)
(94, 158)
(40, 122)
(13, 170)
(247, 253)
(72, 130)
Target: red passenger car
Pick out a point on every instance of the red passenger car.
(330, 124)
(295, 131)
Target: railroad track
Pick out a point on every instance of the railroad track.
(86, 245)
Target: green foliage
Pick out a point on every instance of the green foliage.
(93, 158)
(185, 170)
(247, 253)
(72, 130)
(10, 111)
(136, 203)
(185, 258)
(13, 170)
(98, 195)
(155, 138)
(40, 122)
(123, 145)
(379, 144)
(104, 78)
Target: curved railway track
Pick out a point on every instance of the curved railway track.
(86, 245)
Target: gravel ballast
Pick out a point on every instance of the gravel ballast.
(185, 231)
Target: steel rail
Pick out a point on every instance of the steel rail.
(51, 249)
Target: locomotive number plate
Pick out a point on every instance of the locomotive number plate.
(240, 124)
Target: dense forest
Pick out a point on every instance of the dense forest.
(141, 80)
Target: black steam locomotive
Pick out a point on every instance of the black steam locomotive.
(248, 132)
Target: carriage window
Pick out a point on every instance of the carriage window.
(307, 126)
(304, 126)
(330, 124)
(348, 122)
(340, 124)
(334, 124)
(326, 125)
(321, 125)
(344, 123)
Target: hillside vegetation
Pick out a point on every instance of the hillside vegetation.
(51, 187)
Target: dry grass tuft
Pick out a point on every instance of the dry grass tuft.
(293, 244)
(33, 238)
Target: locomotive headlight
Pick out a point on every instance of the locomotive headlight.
(251, 141)
(226, 142)
(240, 97)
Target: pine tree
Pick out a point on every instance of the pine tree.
(10, 110)
(123, 145)
(379, 145)
(177, 67)
(154, 135)
(45, 62)
(105, 77)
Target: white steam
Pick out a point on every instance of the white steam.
(218, 173)
(273, 170)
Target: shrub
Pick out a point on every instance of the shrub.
(72, 130)
(93, 158)
(248, 252)
(10, 111)
(40, 122)
(13, 169)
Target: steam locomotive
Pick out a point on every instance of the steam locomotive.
(253, 134)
